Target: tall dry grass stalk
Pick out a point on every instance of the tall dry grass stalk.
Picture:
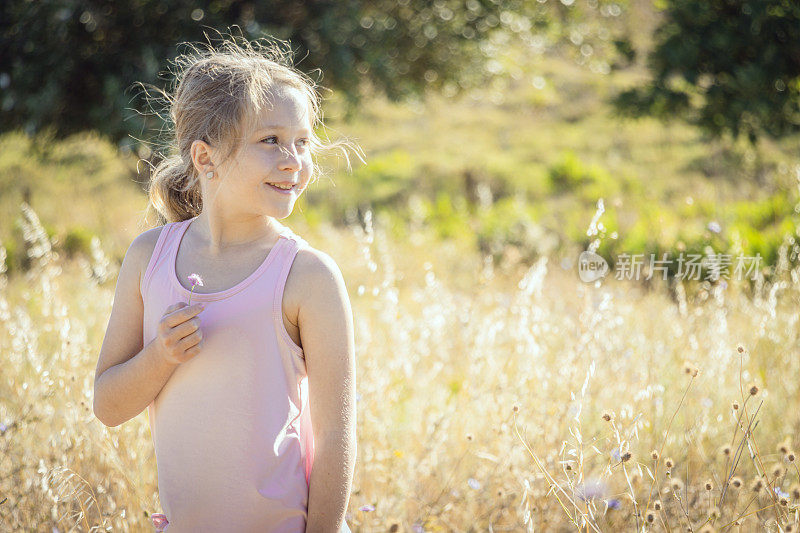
(491, 397)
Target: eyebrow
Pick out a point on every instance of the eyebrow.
(277, 127)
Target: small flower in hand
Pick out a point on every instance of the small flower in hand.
(195, 280)
(160, 521)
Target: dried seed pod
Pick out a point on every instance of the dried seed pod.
(654, 455)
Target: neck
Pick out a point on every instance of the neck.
(217, 233)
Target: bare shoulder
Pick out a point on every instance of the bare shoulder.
(315, 277)
(313, 261)
(141, 249)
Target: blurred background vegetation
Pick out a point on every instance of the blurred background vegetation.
(497, 124)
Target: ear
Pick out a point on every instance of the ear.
(202, 156)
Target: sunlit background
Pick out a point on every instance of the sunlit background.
(497, 389)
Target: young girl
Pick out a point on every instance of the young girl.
(229, 381)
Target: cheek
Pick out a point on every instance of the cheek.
(308, 168)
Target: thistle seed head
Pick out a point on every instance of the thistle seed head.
(654, 455)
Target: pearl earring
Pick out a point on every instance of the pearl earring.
(210, 174)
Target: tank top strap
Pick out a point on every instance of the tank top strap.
(291, 244)
(163, 246)
(294, 243)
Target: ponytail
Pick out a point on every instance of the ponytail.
(174, 190)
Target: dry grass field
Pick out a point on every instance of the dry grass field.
(505, 397)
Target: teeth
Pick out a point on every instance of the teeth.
(285, 187)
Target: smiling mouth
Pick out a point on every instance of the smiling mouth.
(281, 187)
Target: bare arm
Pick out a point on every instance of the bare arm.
(326, 330)
(128, 375)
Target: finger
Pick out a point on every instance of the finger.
(183, 314)
(194, 350)
(186, 328)
(173, 307)
(191, 340)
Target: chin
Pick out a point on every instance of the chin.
(283, 213)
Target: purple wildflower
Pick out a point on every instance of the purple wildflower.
(780, 493)
(195, 280)
(474, 483)
(591, 489)
(367, 508)
(160, 521)
(613, 504)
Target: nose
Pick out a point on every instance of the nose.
(291, 160)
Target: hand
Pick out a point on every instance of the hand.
(179, 335)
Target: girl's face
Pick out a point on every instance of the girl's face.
(276, 151)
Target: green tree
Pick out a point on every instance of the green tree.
(727, 66)
(72, 65)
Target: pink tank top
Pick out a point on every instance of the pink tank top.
(231, 427)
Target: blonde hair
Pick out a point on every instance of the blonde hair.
(218, 90)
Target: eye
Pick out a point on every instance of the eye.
(270, 137)
(304, 142)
